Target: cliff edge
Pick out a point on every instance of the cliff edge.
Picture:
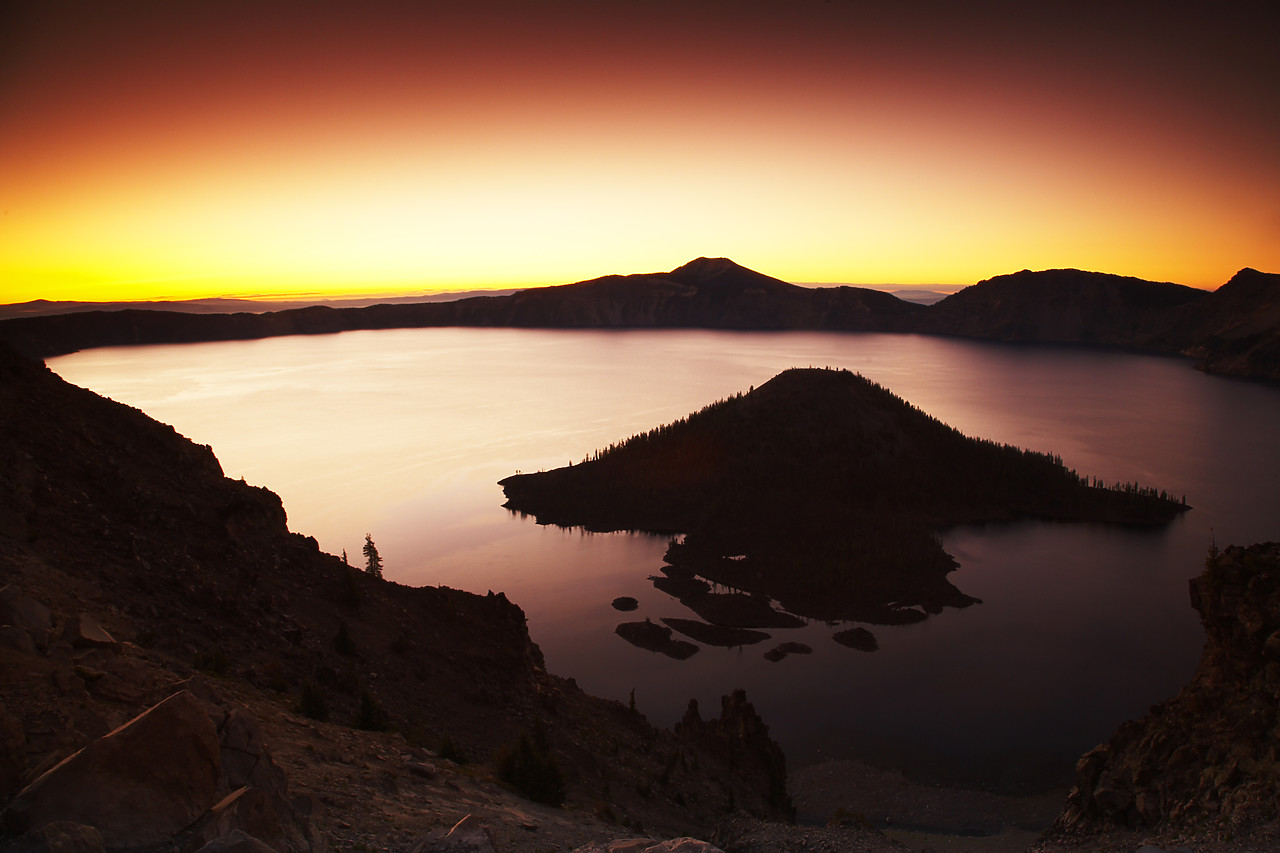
(1202, 766)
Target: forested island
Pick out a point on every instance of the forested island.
(823, 491)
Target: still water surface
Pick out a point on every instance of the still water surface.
(404, 434)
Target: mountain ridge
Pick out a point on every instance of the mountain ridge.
(1234, 330)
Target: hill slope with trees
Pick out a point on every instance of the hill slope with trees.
(823, 490)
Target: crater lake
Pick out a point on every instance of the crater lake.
(404, 434)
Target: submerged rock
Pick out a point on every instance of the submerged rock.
(781, 650)
(857, 638)
(655, 638)
(716, 635)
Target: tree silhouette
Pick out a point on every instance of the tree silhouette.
(372, 561)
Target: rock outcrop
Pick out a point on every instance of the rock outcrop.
(1208, 760)
(742, 739)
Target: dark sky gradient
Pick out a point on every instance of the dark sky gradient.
(202, 148)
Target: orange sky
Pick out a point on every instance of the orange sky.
(175, 150)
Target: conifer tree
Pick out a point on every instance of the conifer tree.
(372, 561)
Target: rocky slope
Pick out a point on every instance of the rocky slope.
(129, 563)
(1203, 767)
(1234, 330)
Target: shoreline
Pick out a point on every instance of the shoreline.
(887, 800)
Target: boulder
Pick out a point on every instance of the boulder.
(13, 637)
(236, 842)
(83, 632)
(22, 611)
(254, 788)
(468, 835)
(248, 811)
(649, 845)
(61, 836)
(245, 757)
(12, 741)
(683, 845)
(425, 769)
(618, 845)
(125, 679)
(138, 785)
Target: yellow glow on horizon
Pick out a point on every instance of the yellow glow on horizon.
(190, 228)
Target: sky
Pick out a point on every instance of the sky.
(191, 149)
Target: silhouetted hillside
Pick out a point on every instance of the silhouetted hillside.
(705, 293)
(820, 489)
(1056, 306)
(1234, 330)
(227, 305)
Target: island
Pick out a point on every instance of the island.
(823, 492)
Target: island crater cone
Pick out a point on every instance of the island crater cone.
(822, 491)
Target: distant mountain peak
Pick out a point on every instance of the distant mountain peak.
(724, 273)
(704, 268)
(1251, 278)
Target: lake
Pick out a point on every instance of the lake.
(404, 434)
